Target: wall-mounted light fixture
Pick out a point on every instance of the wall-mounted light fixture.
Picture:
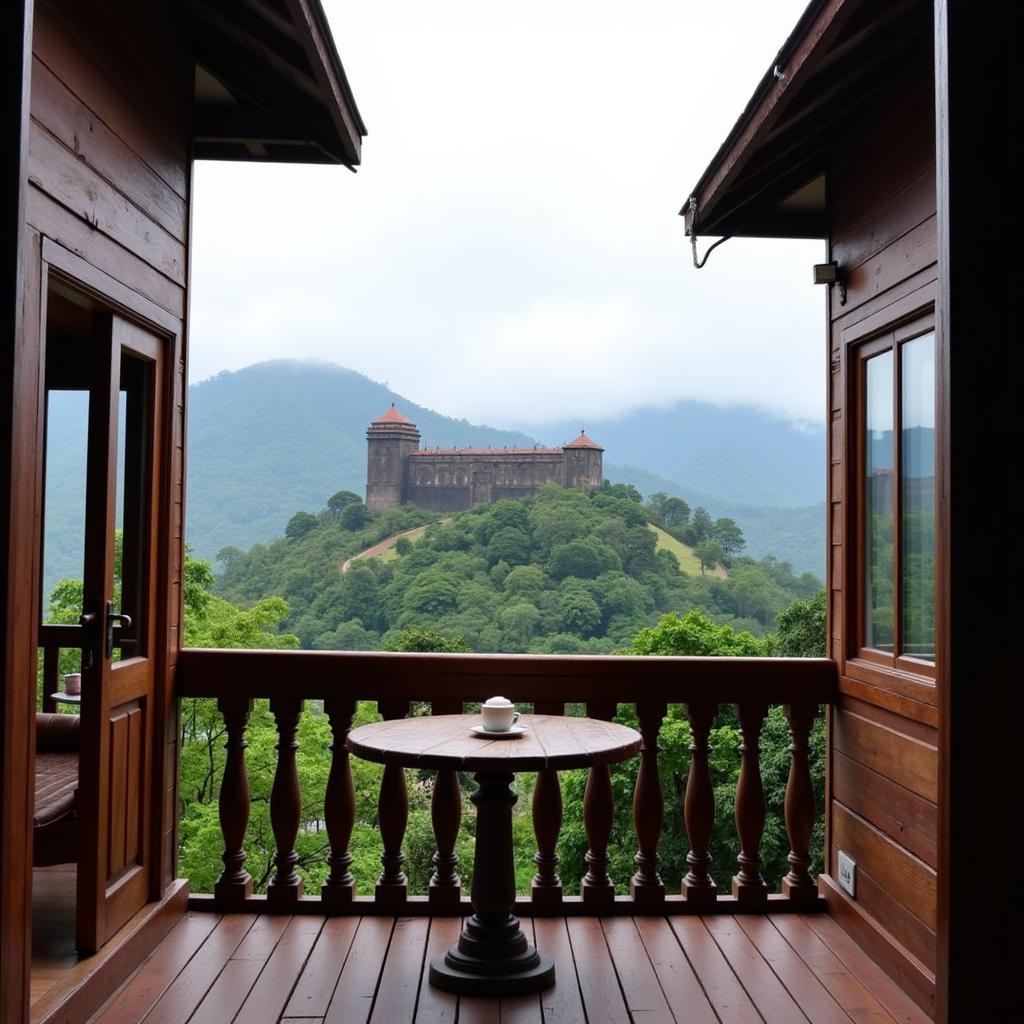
(828, 273)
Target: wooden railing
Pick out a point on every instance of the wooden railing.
(394, 681)
(52, 640)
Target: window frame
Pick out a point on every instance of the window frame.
(912, 676)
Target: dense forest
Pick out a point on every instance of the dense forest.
(560, 572)
(800, 632)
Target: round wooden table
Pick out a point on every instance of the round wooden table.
(492, 956)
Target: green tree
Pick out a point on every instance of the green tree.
(801, 628)
(355, 515)
(584, 559)
(340, 500)
(509, 544)
(700, 526)
(300, 524)
(709, 554)
(415, 639)
(729, 535)
(580, 612)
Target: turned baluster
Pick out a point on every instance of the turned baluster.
(747, 884)
(285, 887)
(392, 816)
(445, 814)
(699, 808)
(797, 884)
(546, 886)
(598, 811)
(235, 883)
(339, 805)
(646, 885)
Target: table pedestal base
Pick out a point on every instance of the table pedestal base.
(492, 959)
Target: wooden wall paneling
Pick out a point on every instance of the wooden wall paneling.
(52, 220)
(899, 214)
(911, 710)
(882, 753)
(68, 180)
(901, 720)
(89, 54)
(905, 879)
(890, 266)
(902, 815)
(892, 754)
(20, 428)
(891, 144)
(83, 133)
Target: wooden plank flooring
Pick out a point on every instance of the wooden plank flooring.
(648, 970)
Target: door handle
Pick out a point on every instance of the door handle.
(123, 621)
(87, 620)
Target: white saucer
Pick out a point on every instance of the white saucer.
(516, 730)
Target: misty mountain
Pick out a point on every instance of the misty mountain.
(280, 436)
(739, 454)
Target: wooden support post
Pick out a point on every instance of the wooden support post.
(285, 887)
(747, 884)
(597, 888)
(646, 886)
(339, 806)
(235, 883)
(699, 809)
(797, 884)
(51, 677)
(392, 816)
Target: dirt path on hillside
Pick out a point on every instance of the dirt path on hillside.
(379, 548)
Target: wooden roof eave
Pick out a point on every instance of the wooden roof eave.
(289, 98)
(839, 56)
(322, 54)
(817, 29)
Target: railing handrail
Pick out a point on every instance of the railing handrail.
(382, 675)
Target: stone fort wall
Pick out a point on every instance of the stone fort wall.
(442, 480)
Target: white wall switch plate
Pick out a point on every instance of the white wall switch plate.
(847, 873)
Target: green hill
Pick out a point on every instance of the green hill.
(560, 572)
(280, 436)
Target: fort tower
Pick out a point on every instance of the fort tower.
(389, 442)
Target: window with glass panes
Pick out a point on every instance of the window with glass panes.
(896, 497)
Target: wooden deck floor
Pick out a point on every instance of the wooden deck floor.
(786, 968)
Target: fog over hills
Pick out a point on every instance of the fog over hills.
(279, 436)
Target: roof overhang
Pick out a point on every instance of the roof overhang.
(269, 84)
(768, 177)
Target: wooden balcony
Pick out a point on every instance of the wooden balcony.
(447, 682)
(260, 969)
(746, 949)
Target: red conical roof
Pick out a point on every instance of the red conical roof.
(583, 442)
(394, 416)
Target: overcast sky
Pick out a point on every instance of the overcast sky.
(510, 250)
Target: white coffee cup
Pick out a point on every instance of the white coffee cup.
(498, 714)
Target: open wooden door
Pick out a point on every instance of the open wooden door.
(126, 371)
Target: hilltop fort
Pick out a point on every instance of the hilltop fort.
(449, 480)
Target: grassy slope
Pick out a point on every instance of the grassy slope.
(688, 561)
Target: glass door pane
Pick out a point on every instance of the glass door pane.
(879, 463)
(917, 491)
